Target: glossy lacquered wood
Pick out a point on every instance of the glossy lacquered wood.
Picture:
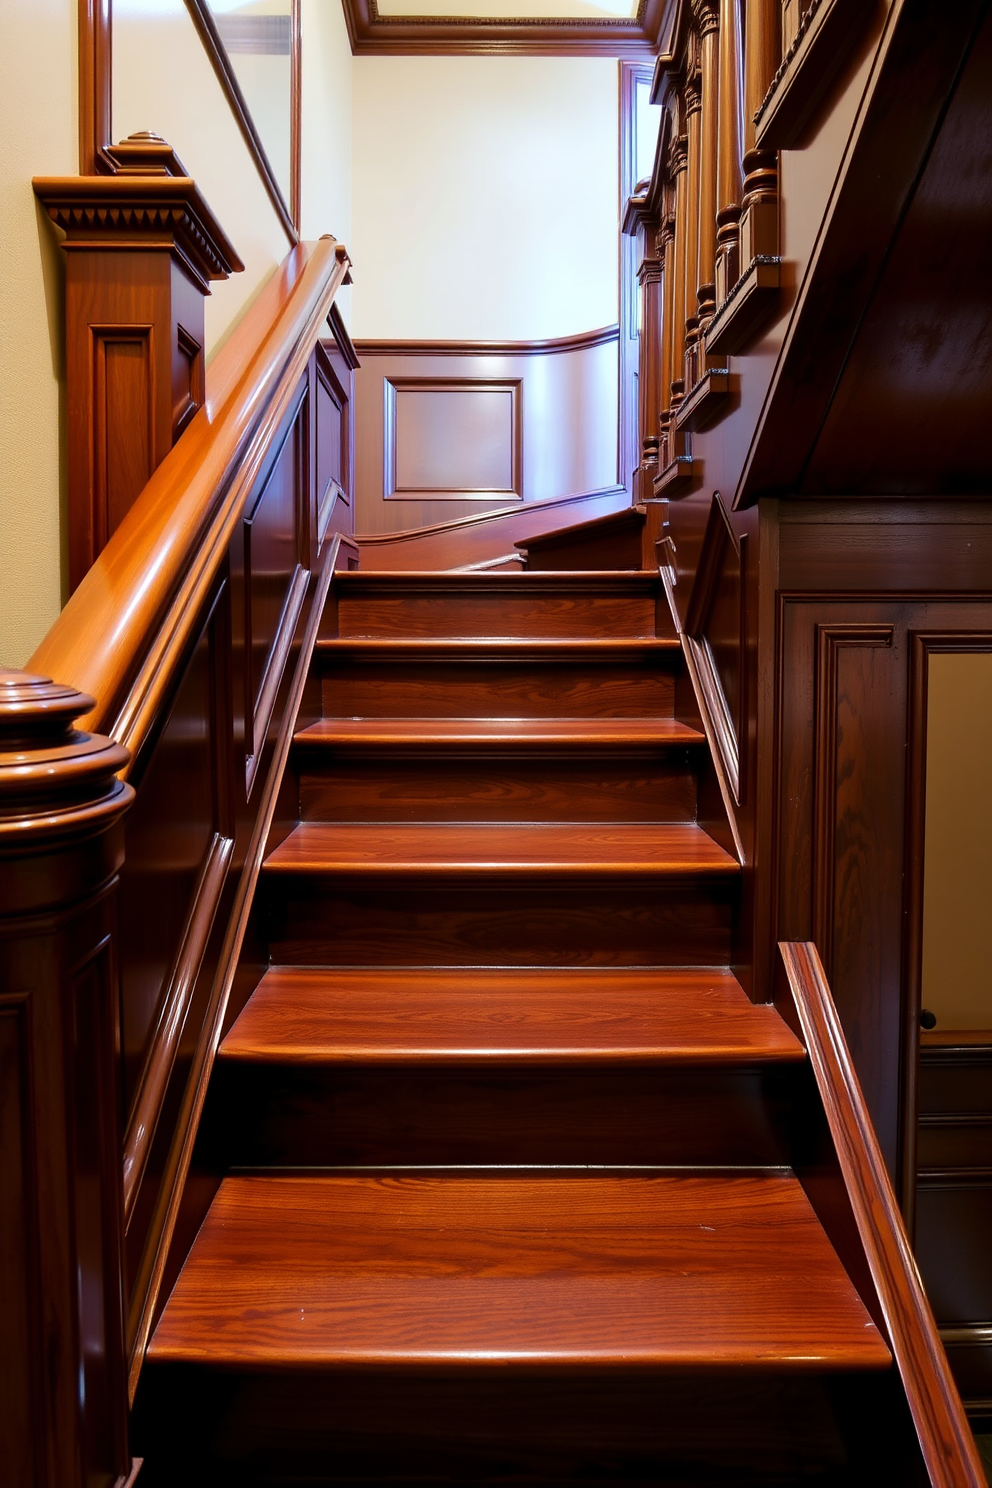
(123, 632)
(679, 1017)
(945, 1439)
(592, 850)
(507, 735)
(485, 1272)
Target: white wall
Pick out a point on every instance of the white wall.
(163, 81)
(37, 137)
(327, 100)
(484, 201)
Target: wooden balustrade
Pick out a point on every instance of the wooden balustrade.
(188, 643)
(865, 1196)
(710, 216)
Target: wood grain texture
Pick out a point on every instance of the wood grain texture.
(594, 605)
(502, 734)
(121, 637)
(696, 1016)
(945, 1439)
(664, 1272)
(430, 850)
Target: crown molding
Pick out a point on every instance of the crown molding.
(372, 34)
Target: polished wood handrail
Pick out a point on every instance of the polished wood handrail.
(126, 628)
(946, 1442)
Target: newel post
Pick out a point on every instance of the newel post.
(63, 1392)
(141, 249)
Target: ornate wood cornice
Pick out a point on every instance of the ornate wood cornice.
(374, 34)
(145, 206)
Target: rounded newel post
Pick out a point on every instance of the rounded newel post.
(64, 1400)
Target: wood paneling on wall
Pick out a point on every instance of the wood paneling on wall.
(449, 429)
(205, 791)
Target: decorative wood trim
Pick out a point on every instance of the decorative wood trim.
(665, 551)
(746, 309)
(583, 341)
(946, 1442)
(826, 32)
(677, 473)
(175, 1002)
(206, 28)
(412, 534)
(917, 1044)
(342, 339)
(123, 636)
(95, 85)
(704, 404)
(830, 641)
(728, 734)
(372, 34)
(394, 385)
(141, 213)
(148, 1282)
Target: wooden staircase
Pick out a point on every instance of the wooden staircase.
(504, 1147)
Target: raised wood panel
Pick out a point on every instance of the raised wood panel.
(276, 541)
(22, 1393)
(124, 423)
(846, 857)
(451, 430)
(454, 438)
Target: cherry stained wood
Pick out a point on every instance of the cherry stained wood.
(682, 1016)
(498, 604)
(668, 1272)
(509, 735)
(946, 1441)
(431, 850)
(495, 648)
(141, 249)
(128, 626)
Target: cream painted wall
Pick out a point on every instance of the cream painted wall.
(327, 100)
(957, 892)
(163, 81)
(37, 137)
(484, 202)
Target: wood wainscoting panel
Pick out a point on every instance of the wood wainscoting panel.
(847, 858)
(447, 431)
(455, 438)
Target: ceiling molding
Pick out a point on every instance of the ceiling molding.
(372, 34)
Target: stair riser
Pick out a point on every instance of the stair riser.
(708, 1431)
(513, 612)
(270, 1117)
(499, 789)
(388, 923)
(362, 688)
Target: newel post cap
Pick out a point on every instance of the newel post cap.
(55, 782)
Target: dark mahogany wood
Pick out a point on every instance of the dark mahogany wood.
(516, 734)
(141, 249)
(373, 34)
(63, 1395)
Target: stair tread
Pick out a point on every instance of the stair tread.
(608, 648)
(587, 848)
(682, 1016)
(506, 581)
(532, 732)
(670, 1270)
